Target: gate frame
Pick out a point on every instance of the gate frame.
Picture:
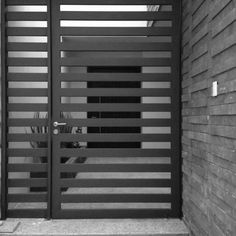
(3, 115)
(176, 86)
(177, 164)
(50, 91)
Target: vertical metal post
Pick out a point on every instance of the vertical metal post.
(3, 115)
(176, 112)
(49, 189)
(56, 85)
(180, 109)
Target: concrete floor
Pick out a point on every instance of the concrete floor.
(137, 227)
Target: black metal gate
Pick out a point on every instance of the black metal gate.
(90, 108)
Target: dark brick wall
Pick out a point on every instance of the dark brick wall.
(209, 123)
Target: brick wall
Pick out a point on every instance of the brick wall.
(209, 123)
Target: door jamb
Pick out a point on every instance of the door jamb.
(49, 147)
(3, 115)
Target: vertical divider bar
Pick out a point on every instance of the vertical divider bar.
(180, 107)
(49, 44)
(4, 173)
(176, 113)
(56, 70)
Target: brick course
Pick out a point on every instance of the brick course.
(209, 123)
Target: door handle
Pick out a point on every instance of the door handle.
(56, 124)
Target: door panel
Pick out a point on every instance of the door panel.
(25, 110)
(119, 83)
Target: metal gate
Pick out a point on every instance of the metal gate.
(90, 108)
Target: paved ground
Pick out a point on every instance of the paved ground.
(148, 227)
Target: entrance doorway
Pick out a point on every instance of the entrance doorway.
(90, 104)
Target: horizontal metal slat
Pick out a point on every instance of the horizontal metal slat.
(115, 39)
(123, 16)
(26, 16)
(116, 46)
(100, 61)
(115, 167)
(109, 198)
(119, 122)
(106, 107)
(116, 31)
(27, 213)
(115, 152)
(27, 92)
(115, 92)
(40, 197)
(26, 2)
(116, 2)
(27, 137)
(116, 213)
(27, 122)
(23, 152)
(27, 167)
(115, 77)
(26, 31)
(102, 137)
(27, 46)
(32, 77)
(27, 107)
(27, 61)
(42, 182)
(142, 183)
